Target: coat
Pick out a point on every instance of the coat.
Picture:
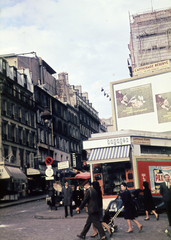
(91, 198)
(148, 200)
(78, 195)
(165, 192)
(67, 196)
(129, 207)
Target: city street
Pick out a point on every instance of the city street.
(35, 221)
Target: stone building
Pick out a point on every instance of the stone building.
(18, 144)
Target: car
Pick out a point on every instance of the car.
(138, 199)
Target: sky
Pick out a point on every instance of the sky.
(88, 39)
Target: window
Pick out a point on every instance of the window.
(155, 149)
(113, 176)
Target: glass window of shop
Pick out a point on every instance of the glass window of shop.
(113, 175)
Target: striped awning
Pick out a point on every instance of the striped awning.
(109, 154)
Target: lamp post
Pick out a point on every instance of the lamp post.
(47, 116)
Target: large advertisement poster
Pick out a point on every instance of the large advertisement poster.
(157, 176)
(142, 103)
(153, 172)
(163, 104)
(134, 101)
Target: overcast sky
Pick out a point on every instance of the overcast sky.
(88, 39)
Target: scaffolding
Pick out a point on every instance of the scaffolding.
(150, 37)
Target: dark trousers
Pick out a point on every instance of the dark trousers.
(168, 210)
(93, 218)
(66, 210)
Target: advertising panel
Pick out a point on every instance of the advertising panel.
(142, 103)
(153, 172)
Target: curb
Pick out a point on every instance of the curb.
(22, 201)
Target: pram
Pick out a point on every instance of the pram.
(110, 221)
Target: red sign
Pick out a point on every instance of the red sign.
(84, 163)
(49, 161)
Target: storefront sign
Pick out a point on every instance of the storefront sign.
(118, 141)
(140, 140)
(107, 142)
(152, 67)
(74, 163)
(63, 165)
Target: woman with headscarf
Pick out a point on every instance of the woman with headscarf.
(129, 208)
(148, 202)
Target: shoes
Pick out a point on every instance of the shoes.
(157, 218)
(103, 238)
(129, 231)
(80, 236)
(94, 235)
(146, 219)
(140, 228)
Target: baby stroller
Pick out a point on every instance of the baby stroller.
(110, 221)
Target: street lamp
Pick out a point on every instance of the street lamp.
(47, 116)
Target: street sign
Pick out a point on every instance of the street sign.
(63, 165)
(49, 178)
(49, 161)
(49, 172)
(84, 163)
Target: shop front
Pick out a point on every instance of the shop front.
(13, 183)
(128, 156)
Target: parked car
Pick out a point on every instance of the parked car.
(138, 199)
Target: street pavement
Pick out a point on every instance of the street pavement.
(51, 224)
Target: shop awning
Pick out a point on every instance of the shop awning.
(109, 154)
(11, 172)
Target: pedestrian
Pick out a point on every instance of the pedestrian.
(96, 186)
(148, 202)
(165, 191)
(129, 208)
(58, 192)
(67, 198)
(91, 198)
(78, 195)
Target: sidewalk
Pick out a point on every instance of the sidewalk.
(21, 201)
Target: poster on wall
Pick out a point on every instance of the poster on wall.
(153, 172)
(163, 105)
(134, 101)
(157, 176)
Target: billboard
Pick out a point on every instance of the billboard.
(153, 171)
(142, 103)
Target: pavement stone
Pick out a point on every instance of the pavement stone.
(67, 228)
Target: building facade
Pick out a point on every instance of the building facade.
(18, 134)
(150, 38)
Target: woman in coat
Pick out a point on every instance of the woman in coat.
(96, 186)
(78, 196)
(129, 208)
(148, 202)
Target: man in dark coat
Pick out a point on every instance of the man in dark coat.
(67, 198)
(91, 198)
(165, 191)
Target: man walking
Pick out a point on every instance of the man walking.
(91, 198)
(165, 191)
(67, 195)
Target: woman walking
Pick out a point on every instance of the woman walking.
(129, 208)
(96, 186)
(148, 202)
